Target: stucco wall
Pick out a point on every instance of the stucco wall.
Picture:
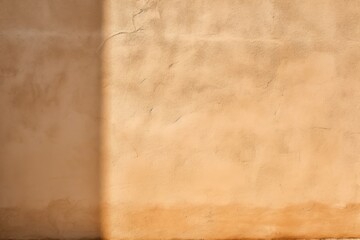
(188, 119)
(232, 119)
(49, 118)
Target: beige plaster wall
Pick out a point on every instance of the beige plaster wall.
(231, 119)
(188, 119)
(49, 118)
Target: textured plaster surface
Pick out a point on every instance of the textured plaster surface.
(49, 119)
(188, 119)
(231, 119)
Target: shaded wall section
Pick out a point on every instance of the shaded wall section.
(49, 123)
(232, 119)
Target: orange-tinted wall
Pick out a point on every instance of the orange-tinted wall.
(231, 119)
(49, 118)
(179, 119)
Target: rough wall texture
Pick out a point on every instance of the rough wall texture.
(49, 118)
(231, 119)
(220, 119)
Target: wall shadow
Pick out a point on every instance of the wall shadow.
(50, 104)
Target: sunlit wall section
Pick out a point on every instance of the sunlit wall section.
(230, 119)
